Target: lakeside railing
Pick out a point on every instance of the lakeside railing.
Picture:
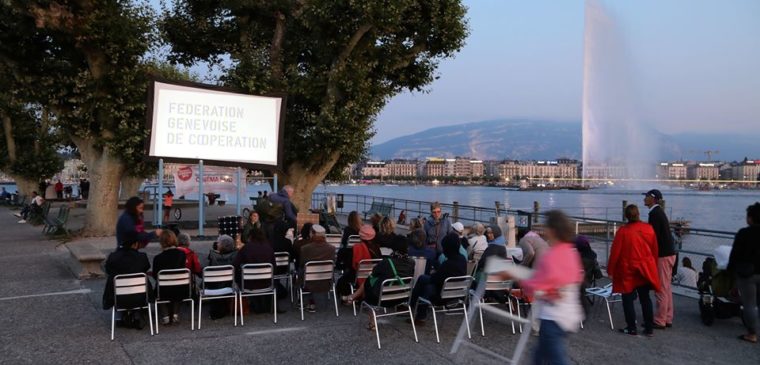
(692, 242)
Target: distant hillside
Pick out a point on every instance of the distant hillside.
(541, 139)
(489, 140)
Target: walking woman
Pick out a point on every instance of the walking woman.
(633, 268)
(744, 262)
(556, 283)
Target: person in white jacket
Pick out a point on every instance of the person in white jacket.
(478, 242)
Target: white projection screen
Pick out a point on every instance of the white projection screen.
(191, 122)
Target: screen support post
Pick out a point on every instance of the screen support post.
(237, 200)
(201, 199)
(159, 194)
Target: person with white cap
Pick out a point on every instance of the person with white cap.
(458, 230)
(317, 250)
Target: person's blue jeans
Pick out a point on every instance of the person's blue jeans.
(424, 288)
(551, 345)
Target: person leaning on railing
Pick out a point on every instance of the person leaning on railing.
(744, 262)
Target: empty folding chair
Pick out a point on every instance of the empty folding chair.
(218, 283)
(455, 289)
(316, 272)
(391, 294)
(175, 285)
(365, 268)
(282, 270)
(130, 293)
(605, 292)
(257, 275)
(495, 284)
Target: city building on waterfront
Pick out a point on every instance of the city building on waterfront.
(747, 170)
(401, 168)
(672, 171)
(375, 169)
(560, 169)
(703, 171)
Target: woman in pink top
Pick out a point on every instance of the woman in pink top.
(555, 283)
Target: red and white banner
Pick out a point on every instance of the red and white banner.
(216, 180)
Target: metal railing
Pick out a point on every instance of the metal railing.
(695, 243)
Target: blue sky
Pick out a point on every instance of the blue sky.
(695, 66)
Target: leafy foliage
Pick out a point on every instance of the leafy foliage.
(338, 61)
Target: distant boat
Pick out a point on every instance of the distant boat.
(435, 182)
(511, 188)
(390, 185)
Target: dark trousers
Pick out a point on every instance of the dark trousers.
(551, 345)
(646, 308)
(424, 288)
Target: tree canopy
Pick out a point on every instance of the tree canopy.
(338, 61)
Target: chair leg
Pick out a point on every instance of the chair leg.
(609, 313)
(200, 310)
(335, 300)
(150, 319)
(519, 315)
(480, 312)
(377, 330)
(300, 301)
(155, 310)
(466, 320)
(435, 324)
(274, 304)
(235, 300)
(192, 314)
(414, 328)
(113, 320)
(509, 306)
(353, 303)
(242, 320)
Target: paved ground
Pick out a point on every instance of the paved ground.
(49, 317)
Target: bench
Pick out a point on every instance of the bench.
(57, 225)
(87, 260)
(384, 209)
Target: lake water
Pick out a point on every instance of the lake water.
(716, 210)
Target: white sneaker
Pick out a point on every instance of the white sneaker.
(22, 221)
(17, 215)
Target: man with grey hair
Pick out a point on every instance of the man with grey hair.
(191, 258)
(316, 250)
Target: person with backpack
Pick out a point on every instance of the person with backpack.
(397, 265)
(744, 263)
(283, 198)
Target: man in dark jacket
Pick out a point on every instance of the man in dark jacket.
(283, 198)
(126, 260)
(666, 258)
(429, 286)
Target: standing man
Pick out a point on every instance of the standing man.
(436, 227)
(666, 258)
(59, 190)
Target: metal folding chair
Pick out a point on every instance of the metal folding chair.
(494, 284)
(456, 288)
(365, 268)
(334, 239)
(390, 294)
(132, 285)
(223, 277)
(175, 279)
(318, 271)
(605, 292)
(282, 260)
(257, 272)
(352, 240)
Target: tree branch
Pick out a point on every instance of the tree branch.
(340, 62)
(9, 141)
(411, 56)
(275, 51)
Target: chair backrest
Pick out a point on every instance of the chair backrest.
(420, 263)
(282, 259)
(393, 291)
(130, 285)
(318, 270)
(496, 283)
(472, 266)
(365, 268)
(352, 240)
(221, 274)
(174, 278)
(456, 287)
(385, 251)
(255, 272)
(333, 239)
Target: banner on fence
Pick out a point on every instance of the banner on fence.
(216, 180)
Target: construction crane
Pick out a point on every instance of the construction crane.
(710, 154)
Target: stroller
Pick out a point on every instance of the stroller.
(718, 296)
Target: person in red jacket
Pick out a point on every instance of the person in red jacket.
(633, 268)
(191, 261)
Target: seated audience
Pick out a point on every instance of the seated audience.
(366, 249)
(317, 250)
(126, 260)
(169, 258)
(419, 248)
(256, 251)
(429, 286)
(478, 242)
(191, 258)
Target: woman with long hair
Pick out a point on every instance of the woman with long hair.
(128, 226)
